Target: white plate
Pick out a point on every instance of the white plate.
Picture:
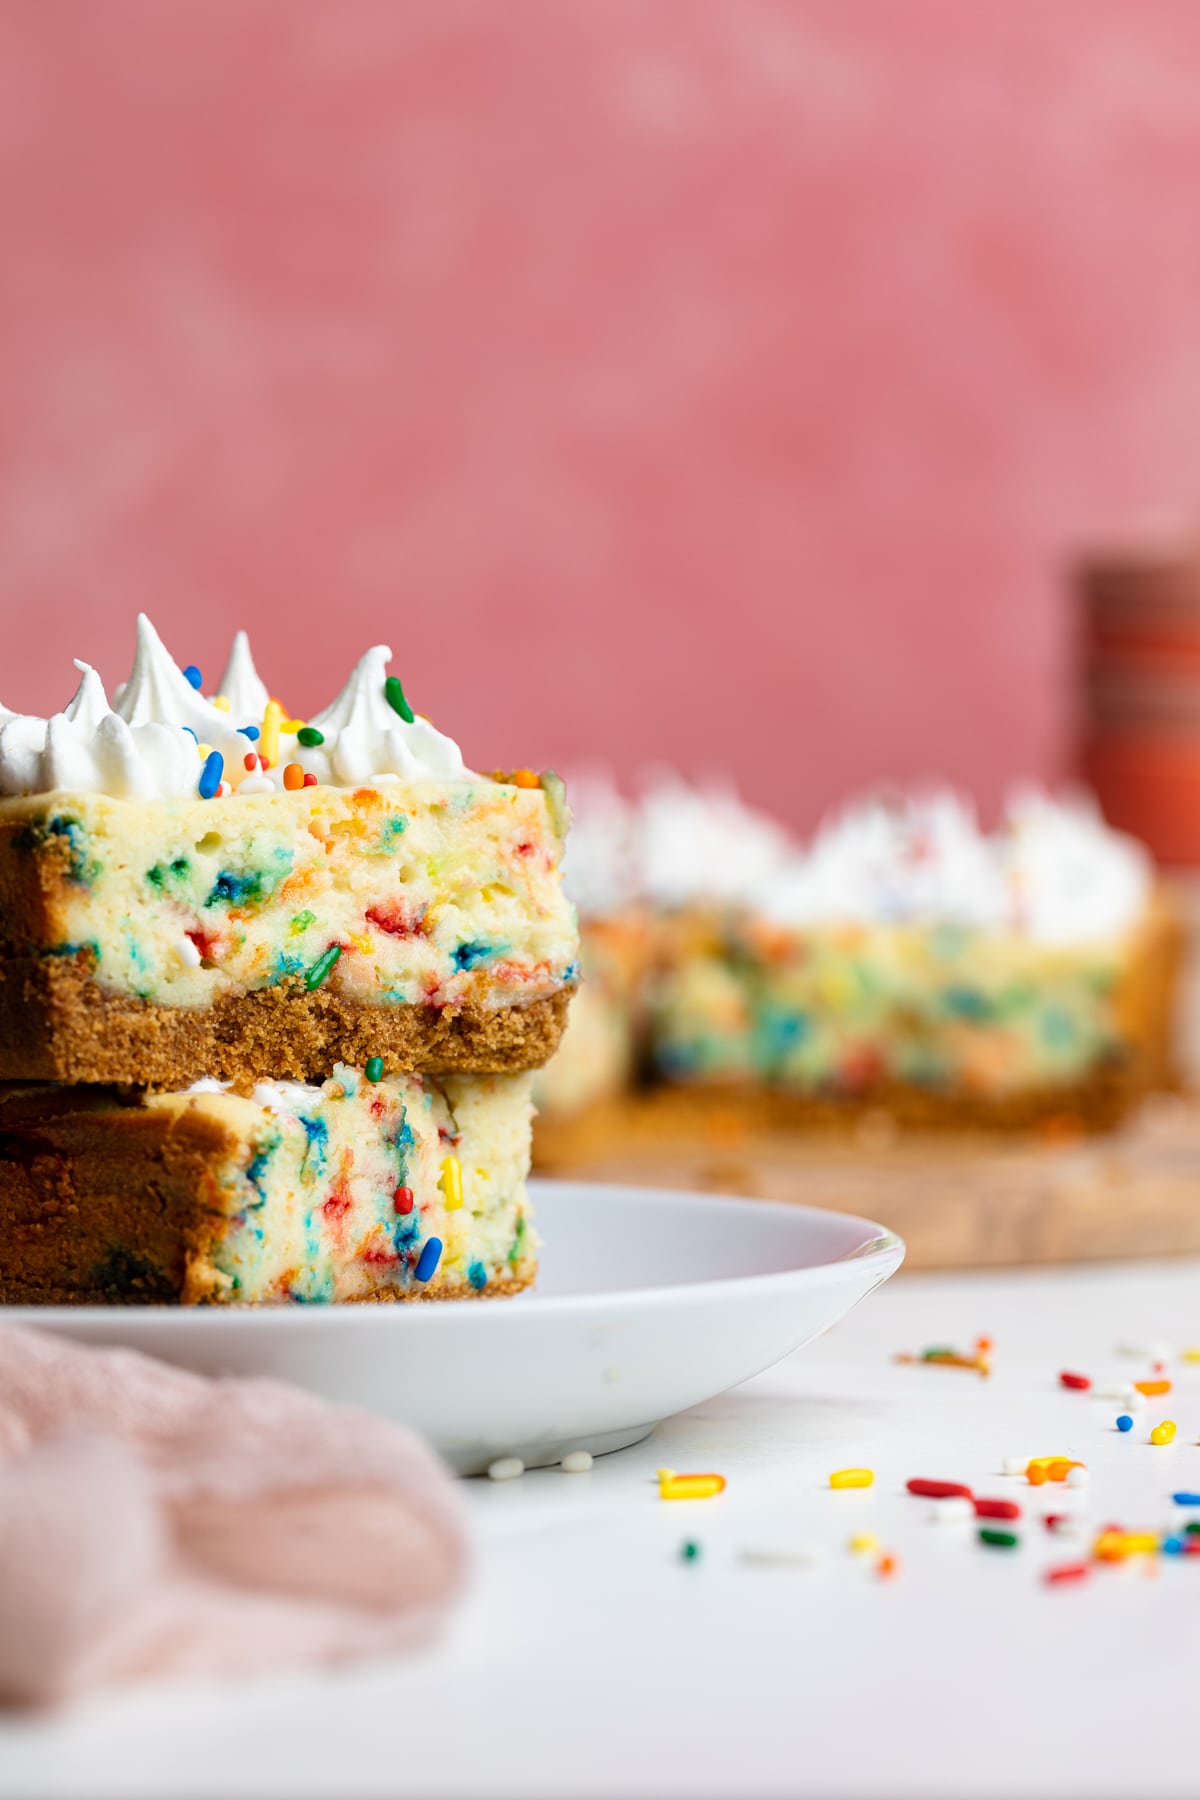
(647, 1302)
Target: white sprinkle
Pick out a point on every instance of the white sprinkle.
(187, 953)
(577, 1462)
(506, 1468)
(803, 1557)
(1122, 1390)
(1148, 1352)
(951, 1511)
(1078, 1477)
(1015, 1465)
(1066, 1526)
(1135, 1401)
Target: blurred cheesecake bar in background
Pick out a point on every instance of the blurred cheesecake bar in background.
(192, 885)
(410, 1187)
(903, 961)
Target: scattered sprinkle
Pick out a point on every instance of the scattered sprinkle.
(1145, 1352)
(310, 780)
(997, 1509)
(954, 1511)
(248, 731)
(1164, 1433)
(1152, 1387)
(402, 1200)
(310, 737)
(193, 675)
(939, 1490)
(805, 1557)
(374, 1068)
(293, 777)
(427, 1263)
(689, 1550)
(1173, 1546)
(188, 953)
(1063, 1572)
(1186, 1498)
(998, 1539)
(393, 693)
(888, 1565)
(688, 1487)
(1191, 1354)
(322, 967)
(1078, 1476)
(210, 774)
(863, 1541)
(852, 1478)
(1080, 1383)
(577, 1462)
(526, 778)
(1124, 1422)
(505, 1468)
(1014, 1465)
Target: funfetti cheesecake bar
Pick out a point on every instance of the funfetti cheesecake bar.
(908, 960)
(194, 886)
(367, 1187)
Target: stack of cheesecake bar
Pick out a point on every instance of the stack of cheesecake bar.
(271, 992)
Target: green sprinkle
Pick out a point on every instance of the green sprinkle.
(1193, 1528)
(394, 694)
(999, 1540)
(689, 1550)
(301, 922)
(374, 1068)
(310, 737)
(322, 967)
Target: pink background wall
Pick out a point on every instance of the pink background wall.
(718, 380)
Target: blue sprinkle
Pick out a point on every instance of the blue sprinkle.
(1186, 1499)
(1124, 1423)
(192, 674)
(429, 1259)
(211, 773)
(477, 1276)
(190, 733)
(250, 731)
(1172, 1546)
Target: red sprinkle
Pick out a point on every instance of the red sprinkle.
(940, 1490)
(1081, 1382)
(1052, 1521)
(310, 780)
(1067, 1572)
(997, 1509)
(404, 1199)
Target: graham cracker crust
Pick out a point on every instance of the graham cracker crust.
(103, 1203)
(58, 1024)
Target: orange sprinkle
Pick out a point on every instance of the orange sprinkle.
(1152, 1387)
(293, 776)
(888, 1565)
(525, 778)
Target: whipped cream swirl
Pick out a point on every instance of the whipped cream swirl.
(151, 742)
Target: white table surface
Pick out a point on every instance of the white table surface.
(589, 1659)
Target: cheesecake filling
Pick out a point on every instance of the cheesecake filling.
(398, 1188)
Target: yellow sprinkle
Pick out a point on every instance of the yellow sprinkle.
(205, 750)
(1192, 1354)
(664, 1474)
(221, 702)
(292, 725)
(451, 1183)
(362, 943)
(848, 1478)
(1164, 1433)
(268, 740)
(1111, 1546)
(690, 1487)
(864, 1541)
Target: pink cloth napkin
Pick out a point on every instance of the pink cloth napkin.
(154, 1523)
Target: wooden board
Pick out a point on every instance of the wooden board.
(957, 1201)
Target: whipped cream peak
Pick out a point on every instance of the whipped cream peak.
(242, 685)
(1071, 875)
(159, 693)
(90, 702)
(599, 861)
(703, 844)
(366, 739)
